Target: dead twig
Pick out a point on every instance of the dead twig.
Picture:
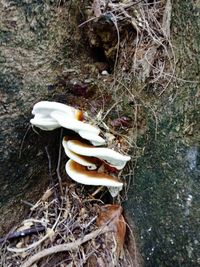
(22, 143)
(65, 247)
(166, 23)
(50, 173)
(37, 243)
(58, 164)
(24, 233)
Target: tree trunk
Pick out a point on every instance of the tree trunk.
(163, 200)
(29, 59)
(41, 53)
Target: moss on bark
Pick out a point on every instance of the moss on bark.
(164, 197)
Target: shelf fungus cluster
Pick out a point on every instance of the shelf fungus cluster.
(51, 115)
(88, 164)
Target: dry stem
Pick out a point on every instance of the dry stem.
(65, 247)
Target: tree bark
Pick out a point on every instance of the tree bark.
(29, 55)
(37, 46)
(163, 200)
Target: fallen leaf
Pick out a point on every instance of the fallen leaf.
(122, 122)
(112, 215)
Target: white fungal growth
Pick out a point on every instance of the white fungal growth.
(113, 158)
(82, 163)
(83, 160)
(81, 175)
(51, 115)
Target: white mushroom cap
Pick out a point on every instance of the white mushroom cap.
(95, 139)
(43, 119)
(81, 175)
(85, 130)
(44, 123)
(52, 115)
(73, 124)
(46, 107)
(114, 191)
(83, 160)
(112, 157)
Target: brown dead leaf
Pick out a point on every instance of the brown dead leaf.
(112, 215)
(124, 122)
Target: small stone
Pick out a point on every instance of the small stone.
(104, 73)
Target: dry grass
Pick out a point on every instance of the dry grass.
(142, 38)
(141, 51)
(69, 233)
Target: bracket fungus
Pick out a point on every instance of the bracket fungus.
(81, 175)
(51, 115)
(45, 108)
(83, 158)
(113, 158)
